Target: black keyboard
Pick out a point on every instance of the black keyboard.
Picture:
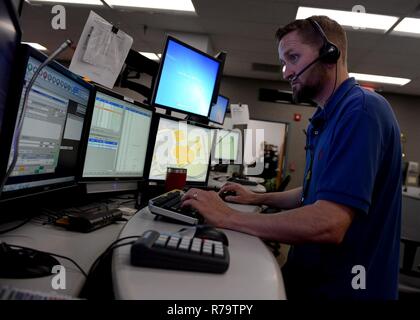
(169, 205)
(244, 182)
(11, 293)
(160, 250)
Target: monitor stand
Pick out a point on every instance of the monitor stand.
(198, 119)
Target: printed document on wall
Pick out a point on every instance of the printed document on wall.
(240, 113)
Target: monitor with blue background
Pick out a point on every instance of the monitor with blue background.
(218, 110)
(186, 79)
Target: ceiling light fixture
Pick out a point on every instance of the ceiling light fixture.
(175, 5)
(151, 55)
(357, 20)
(408, 26)
(380, 79)
(36, 46)
(87, 2)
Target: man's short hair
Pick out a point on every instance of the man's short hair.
(334, 32)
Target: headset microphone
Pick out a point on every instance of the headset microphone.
(304, 69)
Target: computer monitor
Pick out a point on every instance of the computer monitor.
(116, 142)
(10, 36)
(49, 144)
(218, 110)
(226, 149)
(186, 79)
(181, 144)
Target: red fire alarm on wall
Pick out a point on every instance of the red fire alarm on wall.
(297, 116)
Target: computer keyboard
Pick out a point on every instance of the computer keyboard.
(244, 182)
(172, 251)
(11, 293)
(169, 205)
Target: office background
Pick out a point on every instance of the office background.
(245, 30)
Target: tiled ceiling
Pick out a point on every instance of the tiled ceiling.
(245, 30)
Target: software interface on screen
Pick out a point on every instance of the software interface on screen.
(181, 145)
(118, 138)
(218, 110)
(187, 80)
(52, 129)
(227, 145)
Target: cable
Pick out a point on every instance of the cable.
(18, 128)
(52, 254)
(108, 251)
(18, 226)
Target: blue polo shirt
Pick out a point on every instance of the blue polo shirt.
(354, 145)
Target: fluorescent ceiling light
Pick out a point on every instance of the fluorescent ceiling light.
(36, 46)
(380, 79)
(176, 5)
(408, 25)
(350, 18)
(151, 55)
(91, 2)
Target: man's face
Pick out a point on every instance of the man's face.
(294, 56)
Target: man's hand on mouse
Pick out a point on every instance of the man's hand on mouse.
(210, 206)
(243, 195)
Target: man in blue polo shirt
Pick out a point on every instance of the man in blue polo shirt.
(344, 222)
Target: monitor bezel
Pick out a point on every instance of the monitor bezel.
(27, 51)
(11, 99)
(224, 115)
(85, 138)
(155, 122)
(158, 77)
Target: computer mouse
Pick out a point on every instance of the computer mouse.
(25, 263)
(211, 233)
(225, 194)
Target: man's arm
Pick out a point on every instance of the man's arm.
(322, 222)
(282, 200)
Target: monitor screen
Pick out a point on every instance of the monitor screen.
(181, 144)
(117, 138)
(218, 110)
(186, 79)
(50, 138)
(227, 145)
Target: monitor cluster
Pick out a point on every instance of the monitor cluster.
(76, 132)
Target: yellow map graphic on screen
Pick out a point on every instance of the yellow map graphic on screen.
(182, 146)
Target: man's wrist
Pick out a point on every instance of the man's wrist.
(257, 198)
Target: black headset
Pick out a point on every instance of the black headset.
(329, 52)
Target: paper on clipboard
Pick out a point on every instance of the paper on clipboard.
(101, 51)
(240, 113)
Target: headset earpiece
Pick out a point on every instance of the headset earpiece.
(329, 52)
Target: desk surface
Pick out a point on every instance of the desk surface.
(84, 248)
(253, 272)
